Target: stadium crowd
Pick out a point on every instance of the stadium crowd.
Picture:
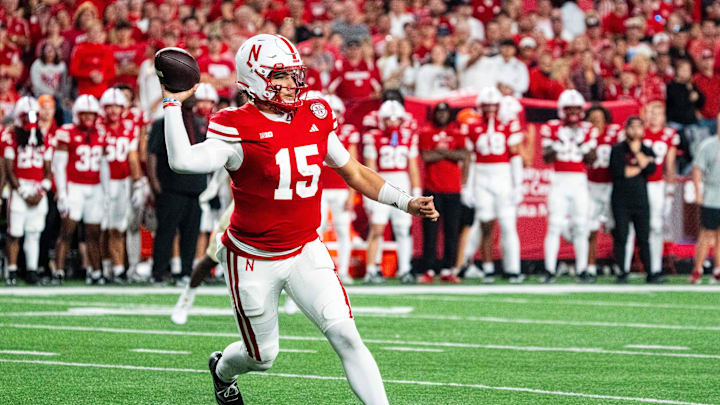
(79, 95)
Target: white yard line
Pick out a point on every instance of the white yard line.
(526, 301)
(156, 351)
(379, 290)
(28, 353)
(412, 349)
(594, 350)
(333, 378)
(298, 351)
(167, 311)
(658, 347)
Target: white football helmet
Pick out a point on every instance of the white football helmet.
(390, 109)
(336, 104)
(568, 99)
(510, 109)
(489, 101)
(25, 105)
(114, 96)
(206, 91)
(262, 56)
(85, 103)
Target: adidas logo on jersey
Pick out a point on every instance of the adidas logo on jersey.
(314, 128)
(265, 135)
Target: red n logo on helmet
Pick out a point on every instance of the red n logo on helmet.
(254, 53)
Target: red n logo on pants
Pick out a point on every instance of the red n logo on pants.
(249, 264)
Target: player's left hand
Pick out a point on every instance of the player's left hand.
(423, 207)
(181, 96)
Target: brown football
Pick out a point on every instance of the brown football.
(177, 69)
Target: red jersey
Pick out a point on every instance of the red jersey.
(443, 176)
(660, 142)
(85, 149)
(119, 142)
(137, 116)
(276, 189)
(88, 57)
(348, 135)
(570, 143)
(615, 91)
(486, 10)
(599, 172)
(28, 161)
(392, 148)
(491, 140)
(128, 55)
(219, 68)
(354, 82)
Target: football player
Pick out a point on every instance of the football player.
(77, 165)
(663, 141)
(206, 102)
(567, 144)
(27, 164)
(273, 149)
(392, 150)
(121, 137)
(600, 183)
(498, 182)
(336, 196)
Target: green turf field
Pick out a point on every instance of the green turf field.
(500, 344)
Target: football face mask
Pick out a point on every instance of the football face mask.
(284, 87)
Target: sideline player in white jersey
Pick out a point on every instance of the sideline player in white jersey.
(336, 196)
(392, 150)
(600, 183)
(121, 136)
(273, 156)
(664, 141)
(568, 143)
(27, 166)
(497, 188)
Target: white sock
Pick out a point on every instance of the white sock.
(31, 247)
(133, 242)
(404, 249)
(592, 269)
(12, 267)
(656, 251)
(488, 268)
(510, 243)
(235, 360)
(175, 266)
(472, 242)
(107, 267)
(716, 271)
(371, 269)
(360, 368)
(342, 227)
(582, 247)
(118, 270)
(552, 245)
(96, 274)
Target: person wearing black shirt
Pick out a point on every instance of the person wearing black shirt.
(176, 197)
(631, 163)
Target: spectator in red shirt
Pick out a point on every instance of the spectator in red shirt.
(542, 85)
(10, 63)
(92, 63)
(354, 78)
(8, 96)
(18, 30)
(217, 68)
(557, 44)
(442, 146)
(626, 89)
(652, 86)
(707, 82)
(614, 23)
(128, 55)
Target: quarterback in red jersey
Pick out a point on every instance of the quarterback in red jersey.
(392, 150)
(27, 159)
(273, 149)
(663, 141)
(77, 163)
(337, 197)
(498, 180)
(567, 143)
(121, 136)
(600, 181)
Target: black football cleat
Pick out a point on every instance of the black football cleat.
(225, 393)
(548, 278)
(656, 279)
(11, 279)
(32, 278)
(622, 278)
